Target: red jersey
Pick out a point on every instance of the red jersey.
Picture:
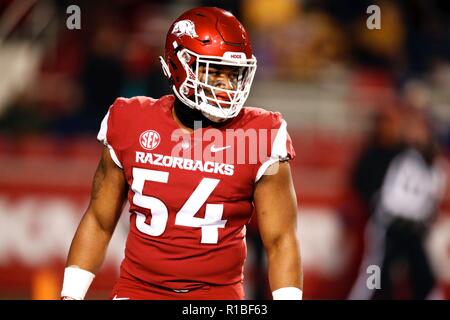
(190, 194)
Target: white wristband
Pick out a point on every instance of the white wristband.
(288, 293)
(76, 282)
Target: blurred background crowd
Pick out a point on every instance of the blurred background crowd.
(368, 112)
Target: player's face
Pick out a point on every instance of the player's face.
(223, 77)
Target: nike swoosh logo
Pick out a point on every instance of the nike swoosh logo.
(180, 290)
(217, 149)
(116, 298)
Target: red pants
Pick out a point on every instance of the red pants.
(134, 289)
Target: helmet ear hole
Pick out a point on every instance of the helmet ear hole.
(172, 64)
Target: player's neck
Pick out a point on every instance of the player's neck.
(181, 124)
(188, 118)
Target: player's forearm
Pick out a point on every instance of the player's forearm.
(89, 244)
(284, 263)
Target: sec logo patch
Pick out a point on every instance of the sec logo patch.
(149, 139)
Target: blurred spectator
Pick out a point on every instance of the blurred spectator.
(384, 143)
(403, 209)
(308, 40)
(102, 75)
(142, 68)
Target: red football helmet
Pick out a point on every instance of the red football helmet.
(204, 39)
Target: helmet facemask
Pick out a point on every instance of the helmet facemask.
(217, 86)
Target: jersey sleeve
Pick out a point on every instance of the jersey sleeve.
(279, 144)
(109, 133)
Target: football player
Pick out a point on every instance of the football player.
(194, 166)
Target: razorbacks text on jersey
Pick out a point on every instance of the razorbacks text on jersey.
(190, 194)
